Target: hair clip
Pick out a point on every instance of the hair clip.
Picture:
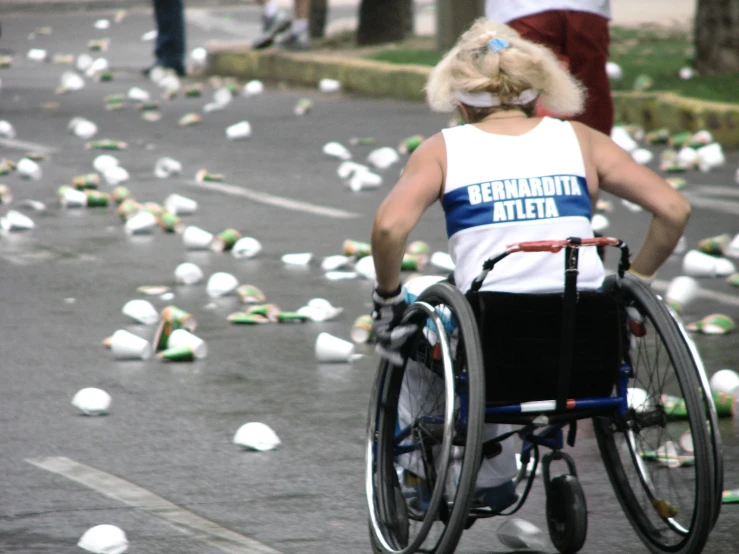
(497, 44)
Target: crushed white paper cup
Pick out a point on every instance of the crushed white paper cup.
(366, 268)
(221, 284)
(599, 223)
(104, 539)
(183, 337)
(320, 309)
(332, 349)
(253, 87)
(195, 238)
(361, 180)
(187, 273)
(442, 260)
(104, 162)
(336, 150)
(698, 264)
(238, 131)
(332, 263)
(115, 175)
(143, 223)
(6, 129)
(29, 169)
(301, 258)
(329, 86)
(681, 291)
(246, 247)
(16, 221)
(141, 311)
(384, 157)
(519, 534)
(127, 346)
(137, 94)
(347, 168)
(638, 399)
(621, 136)
(73, 198)
(180, 205)
(91, 401)
(256, 436)
(642, 156)
(166, 167)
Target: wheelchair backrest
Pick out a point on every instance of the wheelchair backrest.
(521, 338)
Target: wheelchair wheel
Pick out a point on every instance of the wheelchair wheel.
(424, 432)
(667, 493)
(567, 514)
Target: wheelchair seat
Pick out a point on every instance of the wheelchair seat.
(521, 337)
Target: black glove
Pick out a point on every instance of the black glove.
(390, 337)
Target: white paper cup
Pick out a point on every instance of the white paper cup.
(710, 157)
(137, 94)
(364, 180)
(29, 169)
(182, 337)
(103, 162)
(698, 264)
(519, 534)
(166, 167)
(16, 221)
(246, 247)
(141, 224)
(115, 175)
(196, 238)
(237, 131)
(302, 258)
(6, 129)
(331, 263)
(73, 198)
(384, 157)
(188, 273)
(681, 291)
(726, 381)
(141, 311)
(331, 349)
(366, 268)
(221, 284)
(348, 168)
(107, 539)
(256, 436)
(91, 401)
(253, 87)
(180, 205)
(127, 346)
(442, 260)
(329, 86)
(336, 150)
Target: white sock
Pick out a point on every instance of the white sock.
(299, 26)
(271, 8)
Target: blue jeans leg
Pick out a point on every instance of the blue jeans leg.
(170, 44)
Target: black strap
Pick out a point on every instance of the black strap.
(567, 342)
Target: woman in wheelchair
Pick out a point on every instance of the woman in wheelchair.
(503, 177)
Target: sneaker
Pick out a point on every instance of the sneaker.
(293, 41)
(416, 493)
(271, 27)
(497, 498)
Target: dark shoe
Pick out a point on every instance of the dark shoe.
(497, 498)
(293, 41)
(271, 27)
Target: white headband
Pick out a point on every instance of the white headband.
(487, 100)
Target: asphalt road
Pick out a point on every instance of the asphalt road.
(182, 486)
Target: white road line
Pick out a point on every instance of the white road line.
(29, 146)
(279, 201)
(123, 491)
(716, 205)
(720, 297)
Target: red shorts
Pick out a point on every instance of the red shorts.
(581, 40)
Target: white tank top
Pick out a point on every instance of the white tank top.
(503, 189)
(508, 10)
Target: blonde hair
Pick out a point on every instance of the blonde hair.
(471, 66)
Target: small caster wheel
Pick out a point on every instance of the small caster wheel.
(567, 514)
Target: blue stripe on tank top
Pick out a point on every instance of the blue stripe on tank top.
(515, 200)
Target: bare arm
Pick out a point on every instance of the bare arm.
(420, 186)
(619, 174)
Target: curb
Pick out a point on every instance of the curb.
(651, 110)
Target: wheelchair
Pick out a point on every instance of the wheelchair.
(542, 362)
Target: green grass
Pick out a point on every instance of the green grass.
(658, 53)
